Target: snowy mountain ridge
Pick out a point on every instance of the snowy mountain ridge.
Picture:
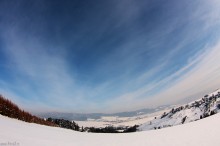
(201, 108)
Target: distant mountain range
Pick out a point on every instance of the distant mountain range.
(84, 117)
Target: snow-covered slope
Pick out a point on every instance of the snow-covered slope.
(193, 111)
(203, 133)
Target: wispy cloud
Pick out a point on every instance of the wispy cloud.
(37, 71)
(139, 57)
(200, 76)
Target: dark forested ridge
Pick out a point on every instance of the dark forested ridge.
(9, 109)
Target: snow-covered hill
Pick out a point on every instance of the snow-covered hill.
(203, 133)
(193, 111)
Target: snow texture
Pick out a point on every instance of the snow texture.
(186, 113)
(203, 133)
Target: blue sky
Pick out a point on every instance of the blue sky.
(107, 56)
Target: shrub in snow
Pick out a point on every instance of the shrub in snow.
(201, 116)
(184, 119)
(213, 112)
(164, 115)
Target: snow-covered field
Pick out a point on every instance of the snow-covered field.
(203, 133)
(120, 121)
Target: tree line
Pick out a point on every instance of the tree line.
(9, 109)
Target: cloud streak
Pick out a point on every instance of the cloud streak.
(142, 55)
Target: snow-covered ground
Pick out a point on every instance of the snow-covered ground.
(186, 113)
(119, 121)
(203, 133)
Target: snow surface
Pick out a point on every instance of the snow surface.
(189, 111)
(203, 133)
(120, 121)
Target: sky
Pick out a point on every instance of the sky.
(108, 56)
